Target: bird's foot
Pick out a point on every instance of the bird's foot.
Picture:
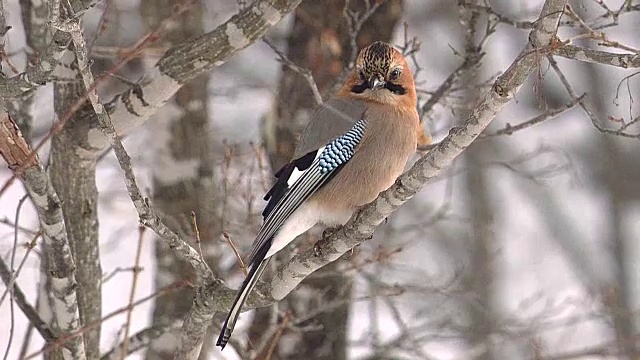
(317, 249)
(351, 253)
(327, 233)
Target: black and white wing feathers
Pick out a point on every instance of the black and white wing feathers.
(300, 179)
(328, 142)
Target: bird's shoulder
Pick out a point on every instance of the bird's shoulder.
(330, 120)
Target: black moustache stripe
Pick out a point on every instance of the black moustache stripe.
(394, 88)
(359, 89)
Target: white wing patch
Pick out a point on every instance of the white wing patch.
(297, 173)
(302, 184)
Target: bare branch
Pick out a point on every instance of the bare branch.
(550, 114)
(622, 131)
(305, 73)
(32, 314)
(18, 154)
(447, 85)
(598, 57)
(362, 225)
(355, 20)
(177, 286)
(180, 64)
(526, 25)
(138, 341)
(37, 74)
(14, 276)
(147, 216)
(186, 61)
(241, 263)
(134, 283)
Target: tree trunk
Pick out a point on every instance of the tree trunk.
(79, 197)
(619, 296)
(182, 175)
(478, 280)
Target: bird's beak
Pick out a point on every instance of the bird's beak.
(376, 81)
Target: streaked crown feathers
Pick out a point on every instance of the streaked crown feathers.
(382, 75)
(376, 58)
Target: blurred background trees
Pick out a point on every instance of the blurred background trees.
(525, 247)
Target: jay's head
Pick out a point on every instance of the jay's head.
(381, 74)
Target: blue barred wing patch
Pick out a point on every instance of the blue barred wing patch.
(319, 167)
(341, 149)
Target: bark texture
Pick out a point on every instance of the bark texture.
(182, 175)
(60, 269)
(79, 197)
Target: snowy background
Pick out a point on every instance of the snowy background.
(551, 255)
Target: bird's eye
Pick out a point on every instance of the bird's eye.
(395, 74)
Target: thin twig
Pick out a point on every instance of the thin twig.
(143, 43)
(447, 85)
(585, 108)
(32, 314)
(277, 335)
(139, 340)
(13, 276)
(102, 25)
(509, 130)
(8, 222)
(117, 270)
(304, 72)
(355, 20)
(30, 246)
(54, 343)
(194, 222)
(26, 341)
(525, 25)
(243, 267)
(134, 283)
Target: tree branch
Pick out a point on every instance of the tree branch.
(18, 154)
(580, 53)
(184, 62)
(138, 341)
(549, 114)
(37, 74)
(362, 225)
(28, 310)
(212, 295)
(216, 297)
(35, 14)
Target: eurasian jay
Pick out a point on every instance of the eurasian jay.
(354, 147)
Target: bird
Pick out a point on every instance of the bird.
(355, 145)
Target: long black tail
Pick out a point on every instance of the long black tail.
(254, 274)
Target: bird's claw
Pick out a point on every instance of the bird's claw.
(326, 234)
(317, 249)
